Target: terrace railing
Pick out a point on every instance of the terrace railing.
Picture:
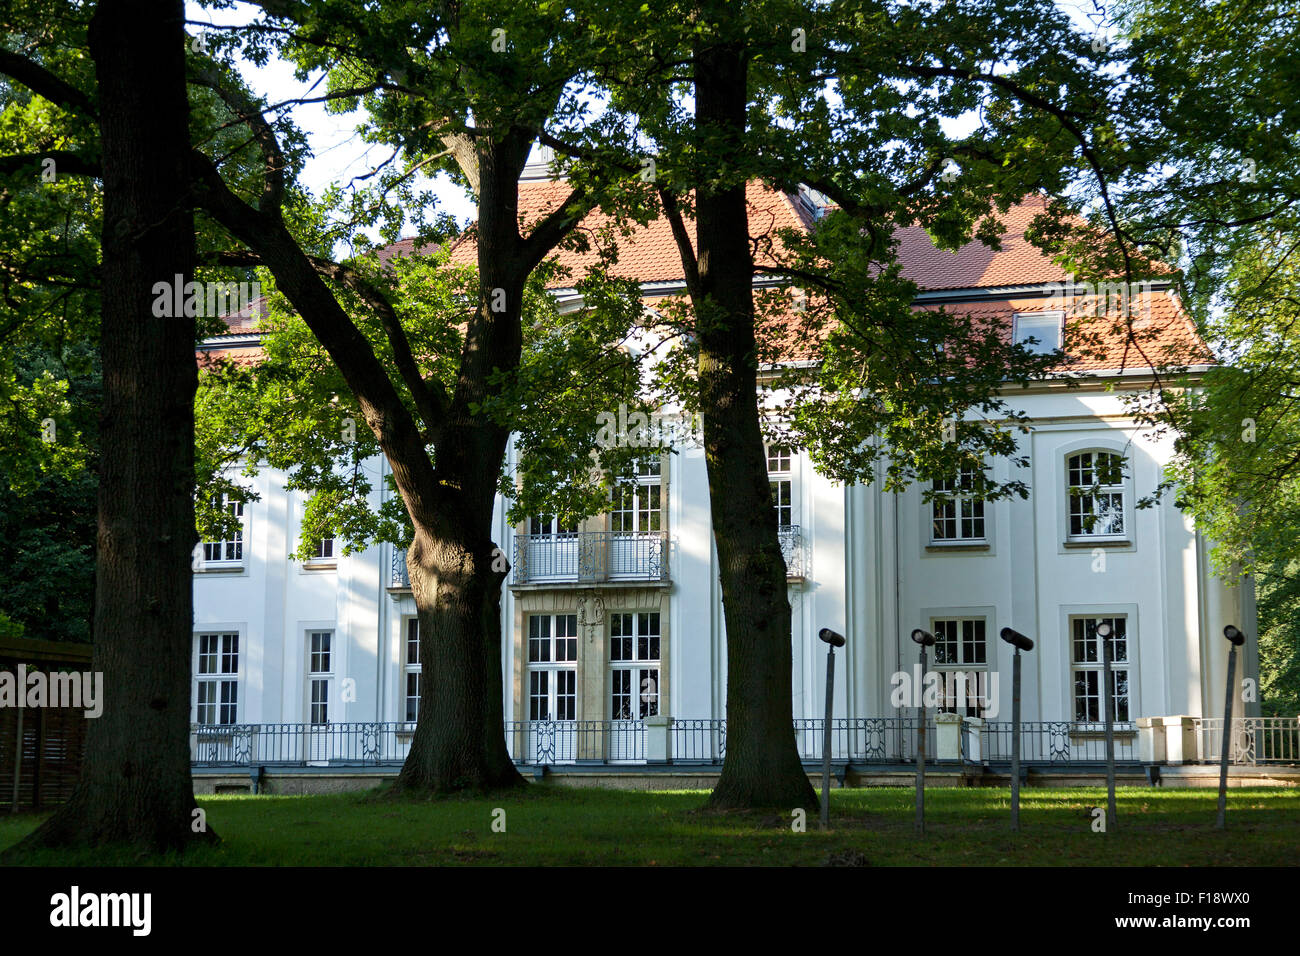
(1254, 740)
(858, 740)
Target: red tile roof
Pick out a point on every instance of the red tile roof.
(650, 253)
(1164, 333)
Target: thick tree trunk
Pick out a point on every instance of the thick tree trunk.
(762, 766)
(456, 572)
(459, 741)
(135, 785)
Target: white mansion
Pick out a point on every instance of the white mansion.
(618, 620)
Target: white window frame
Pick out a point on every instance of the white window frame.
(216, 656)
(638, 501)
(323, 553)
(237, 544)
(412, 670)
(958, 499)
(551, 526)
(1124, 488)
(643, 664)
(1128, 666)
(1037, 324)
(780, 475)
(317, 654)
(940, 625)
(556, 665)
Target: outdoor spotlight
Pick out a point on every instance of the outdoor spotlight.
(1234, 635)
(1016, 639)
(924, 638)
(833, 638)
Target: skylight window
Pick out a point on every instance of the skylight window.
(1039, 332)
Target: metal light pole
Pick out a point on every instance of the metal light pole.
(1020, 643)
(925, 639)
(1104, 632)
(833, 639)
(1235, 639)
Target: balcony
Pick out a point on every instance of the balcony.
(589, 557)
(603, 556)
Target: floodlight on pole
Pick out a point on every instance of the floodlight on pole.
(1021, 643)
(924, 639)
(1235, 640)
(833, 639)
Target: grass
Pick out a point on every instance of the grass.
(558, 826)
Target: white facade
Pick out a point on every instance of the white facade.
(868, 564)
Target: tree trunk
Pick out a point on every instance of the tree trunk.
(459, 741)
(762, 766)
(135, 786)
(456, 571)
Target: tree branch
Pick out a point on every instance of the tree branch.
(45, 84)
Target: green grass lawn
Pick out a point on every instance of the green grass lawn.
(552, 825)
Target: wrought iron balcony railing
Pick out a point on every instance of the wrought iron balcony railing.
(591, 556)
(588, 556)
(793, 551)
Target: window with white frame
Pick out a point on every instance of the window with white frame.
(229, 550)
(322, 549)
(549, 524)
(637, 502)
(957, 512)
(1039, 332)
(411, 670)
(961, 647)
(1095, 495)
(552, 666)
(216, 674)
(634, 665)
(779, 475)
(1087, 665)
(320, 675)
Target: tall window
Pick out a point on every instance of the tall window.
(960, 645)
(216, 696)
(958, 514)
(1086, 666)
(552, 666)
(637, 502)
(1095, 488)
(231, 549)
(320, 674)
(778, 473)
(634, 665)
(411, 669)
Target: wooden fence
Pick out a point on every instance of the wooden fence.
(40, 747)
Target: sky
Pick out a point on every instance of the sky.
(339, 154)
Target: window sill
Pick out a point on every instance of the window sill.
(320, 564)
(938, 547)
(212, 567)
(1090, 543)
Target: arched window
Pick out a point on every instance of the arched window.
(1095, 492)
